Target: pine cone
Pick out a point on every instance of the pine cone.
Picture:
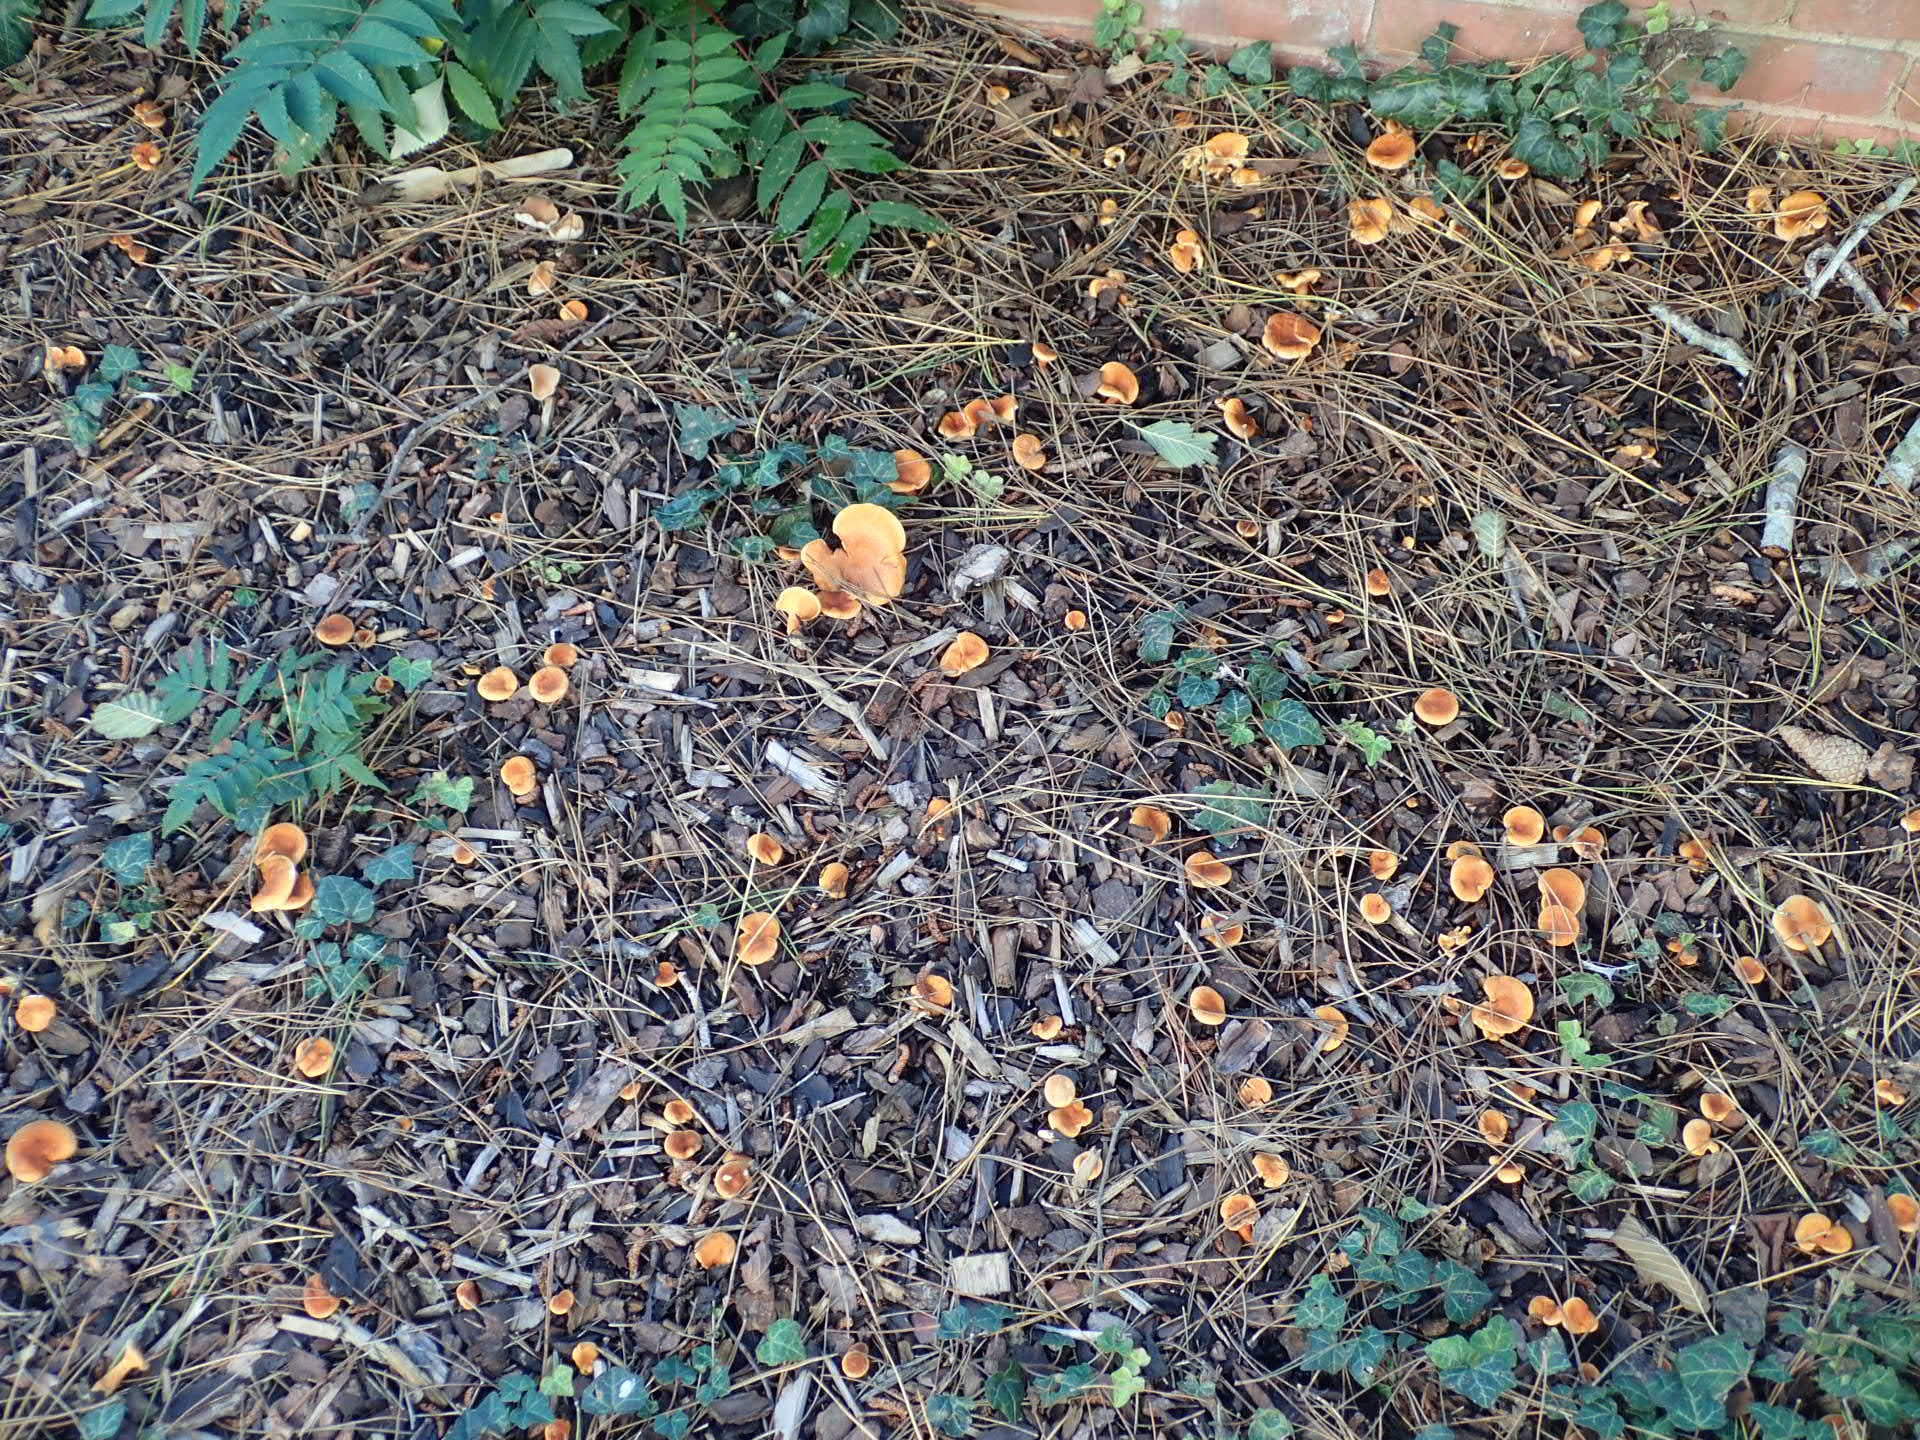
(1834, 758)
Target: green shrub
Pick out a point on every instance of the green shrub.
(703, 96)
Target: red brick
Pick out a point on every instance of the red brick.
(1736, 12)
(1907, 105)
(1487, 31)
(1050, 17)
(1314, 26)
(1860, 19)
(1817, 75)
(1787, 123)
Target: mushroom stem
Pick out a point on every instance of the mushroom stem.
(1895, 199)
(1718, 346)
(1783, 500)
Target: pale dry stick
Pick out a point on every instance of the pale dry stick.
(1838, 260)
(1718, 346)
(1899, 474)
(1857, 283)
(1783, 500)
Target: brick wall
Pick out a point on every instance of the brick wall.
(1839, 67)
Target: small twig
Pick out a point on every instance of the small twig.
(1717, 346)
(1783, 500)
(1846, 247)
(1856, 282)
(1877, 562)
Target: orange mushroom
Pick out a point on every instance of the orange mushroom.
(838, 606)
(1750, 970)
(1375, 910)
(1047, 1027)
(497, 684)
(1392, 151)
(1289, 336)
(833, 880)
(1888, 1093)
(1524, 825)
(1088, 1167)
(1378, 583)
(714, 1249)
(544, 279)
(132, 1360)
(957, 425)
(871, 563)
(317, 1300)
(1206, 872)
(37, 1147)
(1369, 220)
(1070, 1119)
(1437, 707)
(1577, 1317)
(1545, 1309)
(1815, 1234)
(967, 652)
(1272, 1170)
(1338, 1028)
(1426, 210)
(1801, 214)
(1559, 925)
(1043, 353)
(147, 156)
(1508, 1006)
(548, 685)
(1470, 877)
(1221, 931)
(1255, 1091)
(1239, 1213)
(856, 1363)
(1563, 888)
(766, 848)
(303, 892)
(1494, 1127)
(1240, 421)
(1187, 254)
(1512, 169)
(1802, 923)
(285, 839)
(731, 1179)
(1905, 1211)
(1074, 620)
(1697, 1137)
(277, 877)
(1207, 1005)
(543, 381)
(1155, 821)
(678, 1112)
(1118, 384)
(933, 992)
(758, 939)
(334, 631)
(1457, 848)
(561, 653)
(519, 776)
(1718, 1107)
(1059, 1089)
(34, 1013)
(1028, 453)
(585, 1356)
(799, 605)
(681, 1145)
(313, 1057)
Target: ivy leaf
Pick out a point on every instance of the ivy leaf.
(1193, 691)
(673, 1425)
(127, 858)
(117, 362)
(951, 1414)
(1365, 1352)
(1289, 724)
(102, 1422)
(1535, 142)
(1269, 1424)
(1706, 1372)
(1463, 1295)
(1127, 1384)
(1156, 635)
(341, 900)
(133, 716)
(1372, 745)
(408, 673)
(617, 1391)
(1478, 1366)
(394, 864)
(558, 1382)
(1254, 64)
(1006, 1391)
(1230, 807)
(696, 427)
(1573, 1129)
(686, 509)
(439, 788)
(1590, 1186)
(1580, 987)
(785, 1343)
(1723, 72)
(1603, 26)
(1179, 444)
(1321, 1307)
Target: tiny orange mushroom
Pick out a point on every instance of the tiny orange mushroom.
(1207, 1005)
(313, 1057)
(714, 1249)
(1378, 583)
(1718, 1106)
(1118, 384)
(1508, 1006)
(765, 848)
(497, 684)
(317, 1300)
(1802, 923)
(1383, 865)
(1545, 1309)
(1905, 1211)
(1494, 1126)
(1392, 151)
(1187, 254)
(1436, 707)
(1801, 214)
(1074, 620)
(334, 631)
(132, 1360)
(1469, 878)
(1524, 825)
(35, 1013)
(856, 1363)
(1289, 336)
(833, 880)
(1888, 1093)
(871, 563)
(37, 1147)
(682, 1144)
(1221, 931)
(1088, 1167)
(799, 605)
(1559, 925)
(1750, 970)
(1697, 1137)
(563, 653)
(548, 685)
(957, 425)
(1255, 1091)
(836, 605)
(1512, 169)
(967, 652)
(1815, 1234)
(585, 1356)
(517, 773)
(1028, 453)
(730, 1181)
(1155, 821)
(678, 1112)
(1240, 421)
(758, 939)
(543, 381)
(1205, 871)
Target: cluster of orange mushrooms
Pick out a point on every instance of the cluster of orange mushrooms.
(283, 885)
(548, 685)
(870, 565)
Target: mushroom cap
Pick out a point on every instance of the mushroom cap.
(731, 1179)
(1393, 151)
(1074, 620)
(1379, 584)
(1227, 145)
(856, 1363)
(544, 278)
(1289, 336)
(911, 472)
(1118, 384)
(967, 652)
(1043, 353)
(714, 1249)
(317, 1300)
(1088, 1166)
(1513, 169)
(1508, 1007)
(1563, 888)
(548, 685)
(1255, 1091)
(543, 381)
(1047, 1027)
(563, 653)
(34, 1013)
(1697, 1137)
(1469, 878)
(517, 773)
(1070, 1119)
(1187, 254)
(537, 212)
(838, 605)
(1059, 1089)
(1802, 213)
(799, 605)
(1239, 1211)
(334, 631)
(1750, 970)
(1222, 931)
(1339, 1028)
(1425, 207)
(1239, 420)
(934, 991)
(682, 1144)
(871, 563)
(758, 939)
(678, 1112)
(1802, 923)
(1545, 1309)
(1524, 825)
(284, 838)
(1002, 407)
(1718, 1107)
(1383, 865)
(1374, 909)
(1494, 1126)
(1028, 453)
(277, 877)
(833, 880)
(1558, 924)
(1369, 219)
(1207, 1005)
(1457, 848)
(1437, 707)
(1577, 1317)
(766, 848)
(1272, 1170)
(497, 684)
(1905, 1211)
(1207, 872)
(957, 425)
(1152, 819)
(303, 892)
(585, 1356)
(36, 1147)
(313, 1057)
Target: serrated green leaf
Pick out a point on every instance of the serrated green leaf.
(901, 216)
(801, 197)
(1179, 444)
(471, 96)
(131, 717)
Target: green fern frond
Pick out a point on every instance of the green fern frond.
(686, 96)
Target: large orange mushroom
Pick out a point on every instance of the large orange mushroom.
(1206, 871)
(1208, 1005)
(1289, 336)
(1118, 384)
(1369, 220)
(1508, 1006)
(1524, 825)
(1559, 925)
(1802, 923)
(285, 838)
(277, 877)
(1470, 877)
(334, 631)
(1436, 707)
(1563, 888)
(497, 684)
(758, 939)
(871, 562)
(967, 652)
(1392, 151)
(37, 1147)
